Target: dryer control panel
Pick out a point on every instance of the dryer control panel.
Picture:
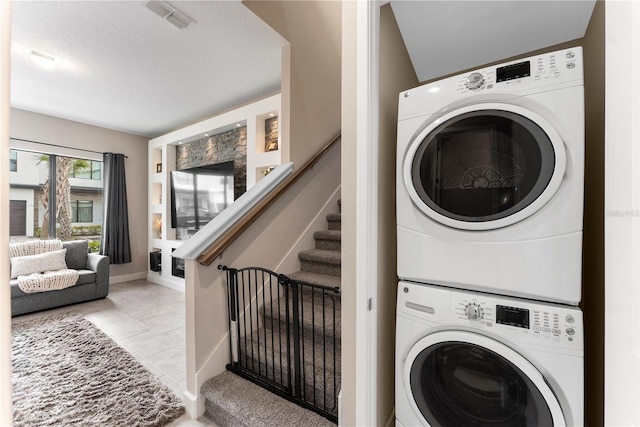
(526, 72)
(540, 73)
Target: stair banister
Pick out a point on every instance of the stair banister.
(218, 226)
(215, 249)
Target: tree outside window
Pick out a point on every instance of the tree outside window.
(93, 170)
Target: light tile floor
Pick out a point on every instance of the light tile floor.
(147, 320)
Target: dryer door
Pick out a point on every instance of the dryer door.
(456, 378)
(484, 166)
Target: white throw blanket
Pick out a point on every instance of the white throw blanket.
(48, 281)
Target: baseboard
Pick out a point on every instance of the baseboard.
(214, 365)
(191, 405)
(340, 420)
(127, 277)
(155, 278)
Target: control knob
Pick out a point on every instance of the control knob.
(475, 81)
(473, 311)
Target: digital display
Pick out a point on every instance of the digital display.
(512, 316)
(513, 71)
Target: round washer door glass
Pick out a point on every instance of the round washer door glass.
(457, 384)
(483, 165)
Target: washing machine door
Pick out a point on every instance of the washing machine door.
(484, 166)
(458, 378)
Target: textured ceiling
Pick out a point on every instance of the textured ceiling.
(444, 37)
(120, 66)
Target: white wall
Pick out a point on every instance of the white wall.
(622, 214)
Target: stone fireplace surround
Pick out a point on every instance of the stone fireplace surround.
(220, 148)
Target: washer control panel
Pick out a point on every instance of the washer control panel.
(538, 323)
(550, 322)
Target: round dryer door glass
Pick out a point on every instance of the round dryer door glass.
(483, 165)
(457, 384)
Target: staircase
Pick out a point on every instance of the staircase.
(234, 401)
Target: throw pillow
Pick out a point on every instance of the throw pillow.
(77, 252)
(48, 261)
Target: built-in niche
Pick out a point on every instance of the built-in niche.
(177, 266)
(220, 148)
(271, 134)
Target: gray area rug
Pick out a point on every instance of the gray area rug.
(66, 372)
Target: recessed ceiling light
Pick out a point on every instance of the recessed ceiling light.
(41, 59)
(238, 124)
(206, 134)
(272, 115)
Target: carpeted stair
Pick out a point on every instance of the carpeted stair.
(233, 401)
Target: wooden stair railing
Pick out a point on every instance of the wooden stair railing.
(219, 245)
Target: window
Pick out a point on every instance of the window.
(13, 161)
(81, 211)
(32, 217)
(87, 169)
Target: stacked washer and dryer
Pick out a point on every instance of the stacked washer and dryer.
(490, 178)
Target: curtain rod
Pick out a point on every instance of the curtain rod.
(62, 146)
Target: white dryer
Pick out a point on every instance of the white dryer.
(470, 359)
(490, 176)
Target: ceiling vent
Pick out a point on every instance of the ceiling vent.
(169, 13)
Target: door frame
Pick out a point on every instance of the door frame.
(367, 148)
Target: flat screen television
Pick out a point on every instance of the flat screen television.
(199, 194)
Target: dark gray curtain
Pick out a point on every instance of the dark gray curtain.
(115, 219)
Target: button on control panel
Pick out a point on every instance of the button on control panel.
(552, 325)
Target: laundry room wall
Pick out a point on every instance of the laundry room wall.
(396, 75)
(593, 243)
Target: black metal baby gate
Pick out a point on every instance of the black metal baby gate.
(285, 336)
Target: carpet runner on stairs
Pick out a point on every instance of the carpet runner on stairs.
(233, 401)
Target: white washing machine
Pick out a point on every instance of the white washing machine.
(471, 359)
(490, 176)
